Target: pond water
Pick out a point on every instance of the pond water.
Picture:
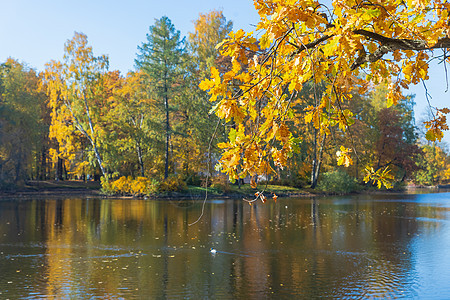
(394, 246)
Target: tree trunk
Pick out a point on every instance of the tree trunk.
(43, 173)
(141, 161)
(317, 160)
(314, 162)
(1, 172)
(166, 106)
(59, 169)
(91, 137)
(18, 169)
(99, 160)
(65, 175)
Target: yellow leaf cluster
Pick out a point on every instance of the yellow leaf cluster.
(343, 157)
(437, 125)
(417, 70)
(380, 177)
(236, 44)
(132, 186)
(347, 46)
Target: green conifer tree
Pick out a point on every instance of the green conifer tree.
(159, 58)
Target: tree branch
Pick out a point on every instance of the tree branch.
(312, 44)
(390, 45)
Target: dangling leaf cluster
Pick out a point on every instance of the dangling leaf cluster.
(347, 46)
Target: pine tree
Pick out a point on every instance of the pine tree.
(159, 58)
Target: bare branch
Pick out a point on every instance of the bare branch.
(313, 44)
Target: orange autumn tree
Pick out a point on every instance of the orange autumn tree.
(346, 45)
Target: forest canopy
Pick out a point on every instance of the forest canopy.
(315, 97)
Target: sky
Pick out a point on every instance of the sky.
(34, 32)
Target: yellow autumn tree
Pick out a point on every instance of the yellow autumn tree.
(346, 45)
(434, 166)
(74, 87)
(132, 116)
(209, 30)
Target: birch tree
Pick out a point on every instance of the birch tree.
(75, 90)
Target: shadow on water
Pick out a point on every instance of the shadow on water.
(338, 247)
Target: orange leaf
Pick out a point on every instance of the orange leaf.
(275, 197)
(253, 183)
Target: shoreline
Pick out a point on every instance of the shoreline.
(59, 189)
(22, 194)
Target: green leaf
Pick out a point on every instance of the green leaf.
(232, 135)
(372, 13)
(430, 136)
(295, 144)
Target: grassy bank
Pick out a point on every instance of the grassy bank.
(247, 190)
(93, 188)
(52, 188)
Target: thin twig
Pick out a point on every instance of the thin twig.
(207, 174)
(428, 96)
(346, 121)
(445, 67)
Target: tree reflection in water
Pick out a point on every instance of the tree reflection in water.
(363, 246)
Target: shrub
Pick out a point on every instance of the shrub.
(139, 185)
(142, 186)
(337, 182)
(172, 184)
(128, 186)
(107, 188)
(122, 185)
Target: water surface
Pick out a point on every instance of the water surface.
(393, 246)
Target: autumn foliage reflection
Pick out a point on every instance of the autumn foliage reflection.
(115, 248)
